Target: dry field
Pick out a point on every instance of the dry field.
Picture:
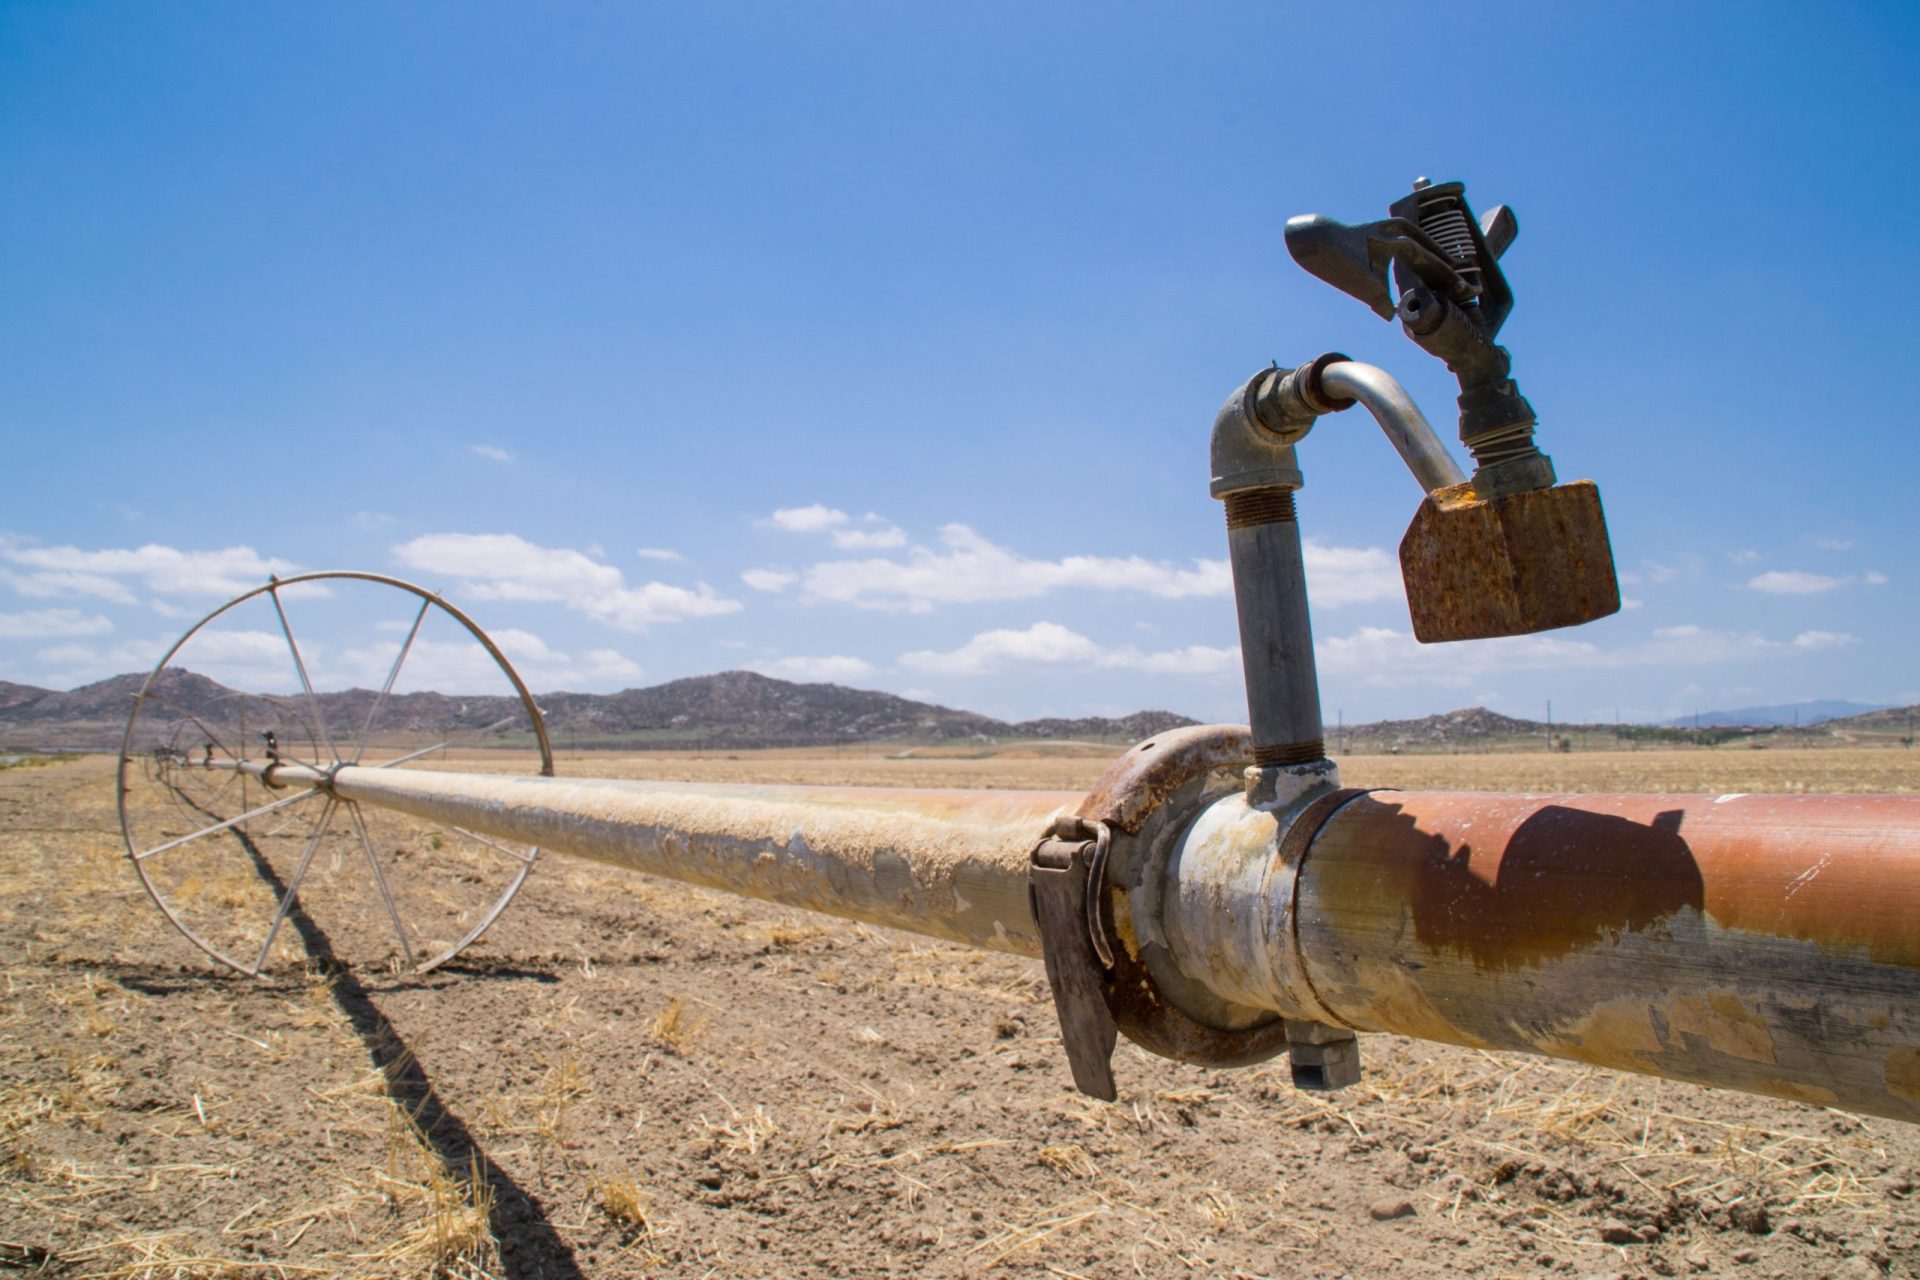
(632, 1078)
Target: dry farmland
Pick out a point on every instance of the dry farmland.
(631, 1078)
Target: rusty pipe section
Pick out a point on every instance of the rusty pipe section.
(949, 864)
(1764, 943)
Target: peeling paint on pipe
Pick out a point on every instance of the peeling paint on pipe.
(948, 864)
(1769, 944)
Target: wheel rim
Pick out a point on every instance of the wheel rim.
(231, 863)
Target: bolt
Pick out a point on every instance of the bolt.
(1421, 184)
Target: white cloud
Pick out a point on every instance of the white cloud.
(371, 519)
(809, 519)
(1834, 544)
(492, 452)
(69, 571)
(837, 667)
(970, 569)
(39, 624)
(463, 667)
(609, 664)
(973, 569)
(1815, 640)
(870, 539)
(1350, 575)
(769, 579)
(71, 665)
(657, 553)
(1383, 656)
(1794, 582)
(1743, 557)
(1050, 644)
(505, 566)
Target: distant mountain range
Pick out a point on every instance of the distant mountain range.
(732, 709)
(741, 709)
(1805, 713)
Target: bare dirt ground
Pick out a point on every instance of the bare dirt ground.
(631, 1078)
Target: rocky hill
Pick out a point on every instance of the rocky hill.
(732, 709)
(1897, 721)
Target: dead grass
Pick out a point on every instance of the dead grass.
(144, 1100)
(677, 1026)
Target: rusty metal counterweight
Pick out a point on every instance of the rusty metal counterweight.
(1762, 943)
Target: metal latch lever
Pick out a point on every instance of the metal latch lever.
(1065, 876)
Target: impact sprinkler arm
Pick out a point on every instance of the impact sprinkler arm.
(1451, 299)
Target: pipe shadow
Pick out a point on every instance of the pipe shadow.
(530, 1247)
(1561, 881)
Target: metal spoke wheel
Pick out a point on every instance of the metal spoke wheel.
(331, 671)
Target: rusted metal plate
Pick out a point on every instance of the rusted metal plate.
(1763, 943)
(1476, 568)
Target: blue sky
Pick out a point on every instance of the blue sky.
(880, 343)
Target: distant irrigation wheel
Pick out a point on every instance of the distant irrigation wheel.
(257, 874)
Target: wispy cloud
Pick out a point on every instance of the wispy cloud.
(881, 539)
(462, 666)
(968, 568)
(1834, 544)
(37, 624)
(1795, 582)
(169, 571)
(1048, 644)
(505, 566)
(657, 553)
(769, 579)
(1384, 656)
(808, 519)
(491, 452)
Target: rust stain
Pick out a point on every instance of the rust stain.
(1515, 880)
(1902, 1072)
(1143, 779)
(1508, 566)
(1724, 1022)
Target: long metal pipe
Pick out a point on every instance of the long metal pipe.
(1399, 417)
(949, 864)
(1763, 943)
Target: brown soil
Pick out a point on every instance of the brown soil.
(632, 1078)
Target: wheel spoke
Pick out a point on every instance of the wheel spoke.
(380, 882)
(469, 736)
(300, 665)
(526, 858)
(202, 725)
(424, 751)
(293, 885)
(222, 826)
(366, 734)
